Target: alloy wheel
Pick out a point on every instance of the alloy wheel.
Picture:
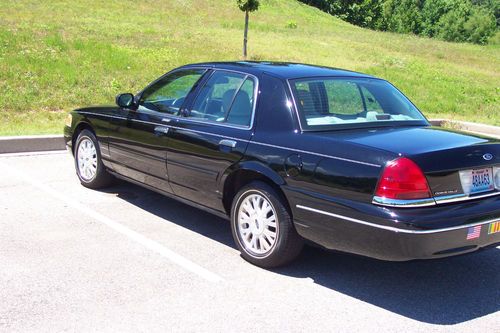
(257, 225)
(87, 159)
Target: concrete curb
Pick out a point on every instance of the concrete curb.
(488, 130)
(33, 143)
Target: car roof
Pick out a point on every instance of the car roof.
(284, 70)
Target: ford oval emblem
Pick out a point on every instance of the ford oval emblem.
(488, 157)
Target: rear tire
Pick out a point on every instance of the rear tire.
(88, 163)
(262, 226)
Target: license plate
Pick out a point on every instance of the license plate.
(477, 180)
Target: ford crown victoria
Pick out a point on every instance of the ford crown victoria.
(292, 153)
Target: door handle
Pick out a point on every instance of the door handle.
(227, 143)
(161, 130)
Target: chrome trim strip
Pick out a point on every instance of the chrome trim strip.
(149, 122)
(317, 154)
(463, 197)
(207, 133)
(403, 203)
(244, 140)
(105, 115)
(429, 202)
(167, 125)
(405, 231)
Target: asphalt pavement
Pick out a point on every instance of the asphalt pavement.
(128, 259)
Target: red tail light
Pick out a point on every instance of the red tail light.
(402, 179)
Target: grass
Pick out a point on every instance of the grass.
(57, 55)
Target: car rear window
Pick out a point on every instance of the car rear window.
(351, 102)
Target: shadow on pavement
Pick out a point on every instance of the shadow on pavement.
(442, 291)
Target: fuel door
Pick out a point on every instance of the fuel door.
(293, 165)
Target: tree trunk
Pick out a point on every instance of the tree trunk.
(245, 37)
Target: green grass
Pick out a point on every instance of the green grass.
(59, 55)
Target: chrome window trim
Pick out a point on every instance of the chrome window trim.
(233, 138)
(256, 92)
(185, 119)
(343, 77)
(394, 229)
(403, 203)
(205, 70)
(294, 105)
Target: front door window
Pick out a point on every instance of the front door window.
(168, 94)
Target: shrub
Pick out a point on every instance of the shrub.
(474, 21)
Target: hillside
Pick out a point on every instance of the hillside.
(58, 55)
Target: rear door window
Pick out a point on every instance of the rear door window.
(225, 98)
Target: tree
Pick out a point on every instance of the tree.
(247, 6)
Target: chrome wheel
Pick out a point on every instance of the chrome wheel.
(87, 159)
(257, 224)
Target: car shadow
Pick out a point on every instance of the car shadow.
(442, 291)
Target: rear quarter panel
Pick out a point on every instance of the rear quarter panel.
(313, 170)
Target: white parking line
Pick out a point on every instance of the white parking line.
(36, 153)
(135, 236)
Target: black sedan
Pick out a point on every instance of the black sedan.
(293, 153)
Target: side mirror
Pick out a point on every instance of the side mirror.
(125, 100)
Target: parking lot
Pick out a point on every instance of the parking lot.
(128, 259)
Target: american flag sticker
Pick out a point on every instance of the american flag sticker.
(474, 232)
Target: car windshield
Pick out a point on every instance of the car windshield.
(331, 103)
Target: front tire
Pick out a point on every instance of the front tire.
(262, 227)
(89, 167)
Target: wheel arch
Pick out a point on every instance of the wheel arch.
(245, 173)
(82, 125)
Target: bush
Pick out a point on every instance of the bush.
(465, 23)
(432, 11)
(403, 16)
(474, 21)
(480, 26)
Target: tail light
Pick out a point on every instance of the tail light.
(402, 179)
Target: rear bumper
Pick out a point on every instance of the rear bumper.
(422, 233)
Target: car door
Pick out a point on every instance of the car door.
(139, 146)
(211, 136)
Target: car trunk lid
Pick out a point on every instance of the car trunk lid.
(457, 165)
